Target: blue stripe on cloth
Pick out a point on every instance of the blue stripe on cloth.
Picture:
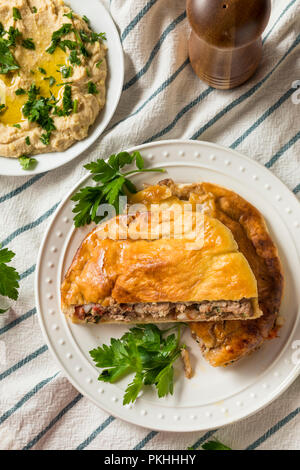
(24, 361)
(274, 429)
(137, 19)
(283, 149)
(246, 95)
(155, 50)
(94, 434)
(146, 439)
(18, 320)
(30, 226)
(21, 188)
(26, 397)
(264, 116)
(278, 19)
(27, 272)
(161, 88)
(296, 189)
(184, 110)
(203, 438)
(53, 422)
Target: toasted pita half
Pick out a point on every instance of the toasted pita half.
(225, 342)
(162, 266)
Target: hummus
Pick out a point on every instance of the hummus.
(52, 77)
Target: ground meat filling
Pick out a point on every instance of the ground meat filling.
(167, 311)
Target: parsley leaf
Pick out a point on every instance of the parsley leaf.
(28, 44)
(27, 163)
(57, 35)
(74, 59)
(9, 277)
(215, 445)
(72, 45)
(13, 35)
(85, 18)
(67, 100)
(16, 14)
(75, 106)
(52, 81)
(66, 71)
(37, 109)
(20, 91)
(7, 60)
(145, 351)
(113, 183)
(69, 15)
(92, 88)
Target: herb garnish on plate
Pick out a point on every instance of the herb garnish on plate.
(112, 183)
(145, 351)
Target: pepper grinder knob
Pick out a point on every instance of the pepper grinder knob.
(225, 46)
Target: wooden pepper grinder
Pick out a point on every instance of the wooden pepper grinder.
(225, 46)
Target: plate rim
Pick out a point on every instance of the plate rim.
(92, 136)
(280, 389)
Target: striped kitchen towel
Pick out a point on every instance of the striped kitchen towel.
(161, 99)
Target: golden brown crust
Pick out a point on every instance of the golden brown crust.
(228, 341)
(115, 270)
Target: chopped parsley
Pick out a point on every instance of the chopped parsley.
(34, 9)
(84, 51)
(16, 14)
(57, 35)
(99, 63)
(69, 15)
(27, 140)
(28, 44)
(67, 100)
(38, 109)
(20, 91)
(75, 106)
(74, 59)
(67, 43)
(43, 71)
(9, 277)
(144, 350)
(27, 163)
(52, 81)
(17, 126)
(92, 89)
(2, 108)
(88, 72)
(111, 183)
(85, 18)
(215, 445)
(7, 60)
(98, 37)
(13, 34)
(84, 36)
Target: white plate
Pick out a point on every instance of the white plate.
(100, 21)
(214, 397)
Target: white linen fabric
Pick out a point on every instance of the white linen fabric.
(162, 99)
